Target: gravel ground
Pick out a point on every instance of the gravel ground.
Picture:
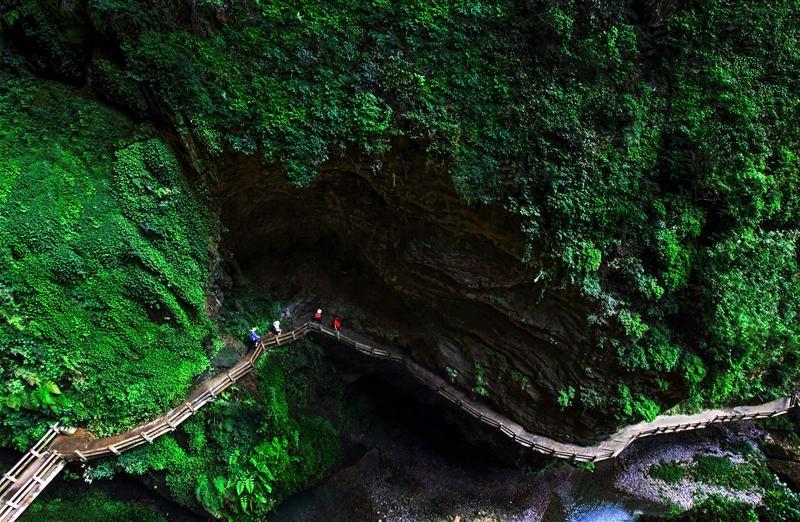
(417, 485)
(403, 480)
(634, 463)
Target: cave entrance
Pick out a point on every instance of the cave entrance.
(399, 415)
(304, 274)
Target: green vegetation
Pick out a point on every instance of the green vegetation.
(649, 150)
(648, 147)
(103, 262)
(722, 472)
(452, 374)
(639, 406)
(255, 445)
(480, 381)
(669, 472)
(565, 397)
(244, 454)
(779, 505)
(717, 507)
(92, 507)
(718, 471)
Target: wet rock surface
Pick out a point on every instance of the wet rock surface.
(415, 466)
(783, 457)
(404, 260)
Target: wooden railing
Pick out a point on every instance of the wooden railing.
(42, 463)
(29, 476)
(72, 448)
(609, 448)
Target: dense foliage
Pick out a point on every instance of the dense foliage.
(103, 262)
(779, 504)
(93, 507)
(254, 446)
(719, 471)
(104, 258)
(649, 147)
(749, 474)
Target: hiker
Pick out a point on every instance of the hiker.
(318, 315)
(337, 323)
(254, 337)
(276, 328)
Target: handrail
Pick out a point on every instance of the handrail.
(20, 485)
(71, 448)
(12, 475)
(32, 479)
(606, 449)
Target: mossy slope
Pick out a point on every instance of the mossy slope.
(103, 261)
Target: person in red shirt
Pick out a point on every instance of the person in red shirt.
(318, 315)
(337, 323)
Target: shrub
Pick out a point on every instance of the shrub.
(92, 507)
(669, 472)
(719, 508)
(565, 397)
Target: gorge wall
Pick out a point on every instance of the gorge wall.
(636, 180)
(402, 258)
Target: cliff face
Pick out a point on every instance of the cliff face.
(400, 255)
(396, 251)
(585, 118)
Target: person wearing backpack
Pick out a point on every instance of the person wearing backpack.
(254, 337)
(276, 328)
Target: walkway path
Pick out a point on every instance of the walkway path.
(23, 483)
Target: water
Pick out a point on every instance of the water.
(407, 485)
(419, 467)
(602, 513)
(591, 497)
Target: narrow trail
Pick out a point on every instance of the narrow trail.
(23, 483)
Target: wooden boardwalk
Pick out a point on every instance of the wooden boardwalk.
(22, 484)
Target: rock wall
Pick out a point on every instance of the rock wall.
(404, 259)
